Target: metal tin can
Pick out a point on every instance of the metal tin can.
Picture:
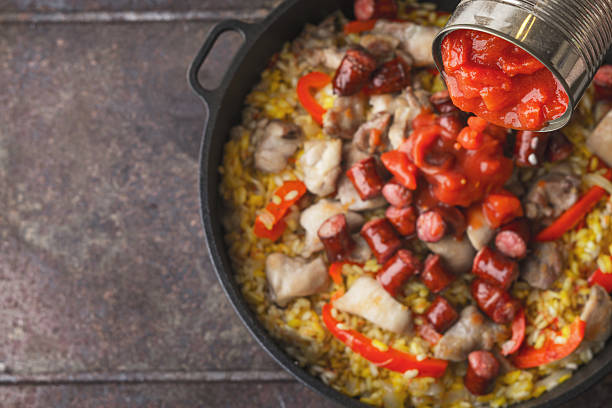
(570, 37)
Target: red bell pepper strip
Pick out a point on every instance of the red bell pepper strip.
(602, 279)
(390, 358)
(398, 163)
(269, 224)
(312, 81)
(572, 215)
(272, 234)
(528, 357)
(335, 271)
(518, 334)
(355, 27)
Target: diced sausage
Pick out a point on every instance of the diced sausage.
(471, 332)
(529, 148)
(513, 238)
(403, 219)
(441, 314)
(431, 227)
(439, 99)
(364, 176)
(293, 277)
(542, 268)
(494, 301)
(314, 216)
(435, 275)
(559, 148)
(371, 9)
(368, 299)
(396, 271)
(381, 238)
(354, 72)
(349, 197)
(482, 370)
(457, 254)
(390, 77)
(334, 234)
(495, 268)
(396, 194)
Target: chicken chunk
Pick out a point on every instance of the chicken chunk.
(542, 268)
(597, 314)
(382, 47)
(372, 135)
(368, 299)
(478, 231)
(345, 117)
(471, 332)
(457, 254)
(414, 39)
(352, 155)
(362, 252)
(407, 106)
(313, 216)
(600, 140)
(349, 197)
(321, 165)
(328, 57)
(275, 143)
(551, 195)
(289, 278)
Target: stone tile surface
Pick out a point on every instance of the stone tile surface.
(102, 248)
(216, 395)
(129, 5)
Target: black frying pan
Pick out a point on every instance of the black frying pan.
(223, 106)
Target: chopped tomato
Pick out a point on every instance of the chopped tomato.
(518, 334)
(456, 176)
(552, 350)
(500, 82)
(305, 86)
(379, 354)
(399, 165)
(501, 208)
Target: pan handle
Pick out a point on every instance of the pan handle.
(246, 31)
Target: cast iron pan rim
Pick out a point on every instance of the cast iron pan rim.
(230, 287)
(246, 315)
